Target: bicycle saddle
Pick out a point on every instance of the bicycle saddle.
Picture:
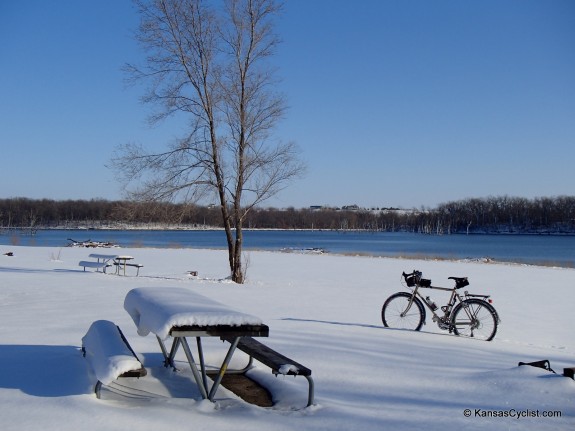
(459, 281)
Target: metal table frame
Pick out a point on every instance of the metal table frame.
(180, 337)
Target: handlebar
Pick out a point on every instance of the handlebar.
(414, 279)
(415, 273)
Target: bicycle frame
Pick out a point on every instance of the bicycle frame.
(455, 296)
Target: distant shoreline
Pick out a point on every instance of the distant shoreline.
(159, 228)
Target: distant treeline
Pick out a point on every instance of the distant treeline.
(504, 214)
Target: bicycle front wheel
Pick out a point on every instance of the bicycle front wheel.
(398, 313)
(475, 318)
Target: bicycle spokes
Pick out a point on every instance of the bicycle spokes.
(402, 311)
(475, 318)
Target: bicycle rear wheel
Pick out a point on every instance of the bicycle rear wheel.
(396, 312)
(475, 318)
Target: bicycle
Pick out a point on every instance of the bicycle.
(467, 315)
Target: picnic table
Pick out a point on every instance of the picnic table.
(178, 314)
(122, 262)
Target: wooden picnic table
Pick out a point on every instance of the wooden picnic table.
(179, 313)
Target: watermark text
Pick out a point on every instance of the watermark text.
(511, 413)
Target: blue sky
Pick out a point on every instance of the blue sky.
(393, 103)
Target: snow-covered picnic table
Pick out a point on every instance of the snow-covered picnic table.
(180, 313)
(102, 263)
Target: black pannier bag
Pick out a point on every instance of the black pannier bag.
(461, 283)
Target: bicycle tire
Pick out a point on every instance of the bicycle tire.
(475, 318)
(395, 305)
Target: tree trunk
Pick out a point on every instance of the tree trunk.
(237, 270)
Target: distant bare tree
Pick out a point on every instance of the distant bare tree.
(209, 63)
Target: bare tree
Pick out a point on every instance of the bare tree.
(210, 64)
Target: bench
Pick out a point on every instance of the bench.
(279, 363)
(109, 354)
(92, 264)
(122, 264)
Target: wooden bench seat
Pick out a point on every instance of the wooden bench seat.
(134, 265)
(109, 354)
(278, 363)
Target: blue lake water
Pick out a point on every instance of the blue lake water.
(547, 249)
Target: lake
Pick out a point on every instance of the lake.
(534, 249)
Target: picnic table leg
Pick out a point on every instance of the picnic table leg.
(223, 368)
(202, 362)
(310, 395)
(173, 351)
(194, 368)
(169, 358)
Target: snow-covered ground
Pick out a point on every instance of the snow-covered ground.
(323, 311)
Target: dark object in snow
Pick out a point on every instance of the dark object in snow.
(544, 363)
(90, 244)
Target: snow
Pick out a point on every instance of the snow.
(323, 311)
(108, 355)
(158, 310)
(287, 368)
